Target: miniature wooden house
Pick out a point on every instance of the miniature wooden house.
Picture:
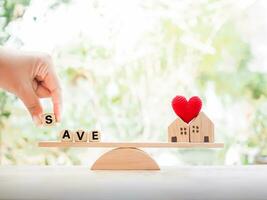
(201, 129)
(178, 131)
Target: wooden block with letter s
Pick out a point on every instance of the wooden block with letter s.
(48, 119)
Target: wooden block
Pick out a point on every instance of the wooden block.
(178, 131)
(95, 136)
(66, 136)
(48, 119)
(80, 136)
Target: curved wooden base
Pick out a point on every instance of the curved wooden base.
(125, 159)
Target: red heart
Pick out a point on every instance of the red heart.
(186, 110)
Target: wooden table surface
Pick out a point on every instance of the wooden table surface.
(78, 182)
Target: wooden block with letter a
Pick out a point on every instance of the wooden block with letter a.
(80, 136)
(66, 136)
(48, 119)
(95, 136)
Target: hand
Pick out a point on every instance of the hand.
(30, 77)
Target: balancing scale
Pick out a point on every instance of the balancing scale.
(127, 155)
(191, 129)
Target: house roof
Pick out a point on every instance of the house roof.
(203, 115)
(179, 121)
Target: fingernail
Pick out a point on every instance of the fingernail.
(37, 121)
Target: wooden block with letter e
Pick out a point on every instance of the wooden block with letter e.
(48, 119)
(95, 136)
(80, 136)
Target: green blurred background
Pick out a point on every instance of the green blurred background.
(121, 63)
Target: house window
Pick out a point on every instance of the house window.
(206, 138)
(174, 139)
(197, 129)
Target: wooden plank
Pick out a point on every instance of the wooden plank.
(130, 144)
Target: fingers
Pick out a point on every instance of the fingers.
(32, 103)
(57, 103)
(50, 82)
(42, 92)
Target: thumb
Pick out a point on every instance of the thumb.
(32, 103)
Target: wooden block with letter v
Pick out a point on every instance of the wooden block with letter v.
(80, 136)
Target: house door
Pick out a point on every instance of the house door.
(206, 138)
(174, 139)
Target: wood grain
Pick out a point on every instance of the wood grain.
(130, 144)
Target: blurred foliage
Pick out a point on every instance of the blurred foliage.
(120, 73)
(10, 10)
